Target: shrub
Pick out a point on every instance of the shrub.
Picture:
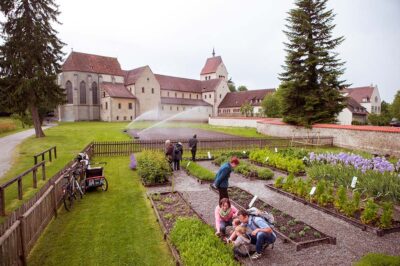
(198, 245)
(198, 171)
(387, 213)
(372, 259)
(370, 212)
(152, 167)
(265, 174)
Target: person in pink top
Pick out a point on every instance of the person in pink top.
(224, 214)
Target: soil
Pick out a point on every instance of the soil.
(170, 206)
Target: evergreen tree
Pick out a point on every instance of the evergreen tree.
(311, 79)
(30, 58)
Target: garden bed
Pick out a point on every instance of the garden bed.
(247, 170)
(198, 172)
(301, 173)
(288, 228)
(332, 211)
(164, 184)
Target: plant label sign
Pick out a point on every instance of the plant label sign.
(244, 152)
(312, 191)
(353, 182)
(276, 149)
(266, 159)
(188, 164)
(209, 155)
(252, 201)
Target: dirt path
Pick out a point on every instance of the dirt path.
(352, 243)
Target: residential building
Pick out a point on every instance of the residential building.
(352, 113)
(367, 96)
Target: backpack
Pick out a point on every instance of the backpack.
(268, 217)
(176, 150)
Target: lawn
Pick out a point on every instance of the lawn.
(116, 227)
(10, 126)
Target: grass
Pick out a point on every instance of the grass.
(70, 139)
(376, 259)
(10, 126)
(198, 171)
(116, 227)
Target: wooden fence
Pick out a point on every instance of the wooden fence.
(22, 227)
(116, 148)
(42, 154)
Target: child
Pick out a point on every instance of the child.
(242, 244)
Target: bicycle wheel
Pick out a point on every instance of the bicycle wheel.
(104, 187)
(68, 200)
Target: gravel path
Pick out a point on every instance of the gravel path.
(352, 243)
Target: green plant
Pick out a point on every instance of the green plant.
(323, 199)
(291, 222)
(370, 212)
(152, 167)
(292, 236)
(283, 228)
(386, 217)
(156, 196)
(265, 174)
(289, 183)
(341, 198)
(168, 200)
(372, 259)
(279, 182)
(161, 207)
(306, 228)
(302, 233)
(292, 165)
(301, 188)
(198, 245)
(317, 234)
(169, 216)
(198, 171)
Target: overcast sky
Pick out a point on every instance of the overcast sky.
(175, 37)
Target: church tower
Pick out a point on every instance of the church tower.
(214, 68)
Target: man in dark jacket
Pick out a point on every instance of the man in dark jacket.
(193, 147)
(222, 177)
(177, 155)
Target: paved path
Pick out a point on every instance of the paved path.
(8, 145)
(352, 243)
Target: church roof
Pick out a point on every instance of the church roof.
(211, 65)
(186, 85)
(117, 90)
(360, 93)
(184, 101)
(131, 76)
(355, 107)
(92, 63)
(237, 99)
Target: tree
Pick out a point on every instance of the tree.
(247, 109)
(272, 105)
(29, 58)
(395, 107)
(311, 79)
(242, 88)
(231, 85)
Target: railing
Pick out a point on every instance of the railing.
(42, 154)
(116, 148)
(18, 179)
(21, 229)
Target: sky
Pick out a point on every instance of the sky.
(175, 37)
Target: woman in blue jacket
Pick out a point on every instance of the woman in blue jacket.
(223, 174)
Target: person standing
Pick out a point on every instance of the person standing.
(177, 155)
(222, 177)
(193, 146)
(169, 149)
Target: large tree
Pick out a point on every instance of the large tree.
(30, 58)
(242, 88)
(395, 107)
(272, 104)
(311, 79)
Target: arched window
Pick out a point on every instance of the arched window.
(68, 89)
(95, 97)
(82, 93)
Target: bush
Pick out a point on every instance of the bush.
(198, 171)
(152, 167)
(373, 259)
(198, 245)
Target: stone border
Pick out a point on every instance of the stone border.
(363, 227)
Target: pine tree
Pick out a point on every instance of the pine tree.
(30, 58)
(311, 79)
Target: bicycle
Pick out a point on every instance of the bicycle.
(72, 188)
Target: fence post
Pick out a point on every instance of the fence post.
(42, 156)
(2, 202)
(44, 171)
(22, 231)
(50, 155)
(20, 188)
(54, 198)
(34, 178)
(35, 159)
(55, 152)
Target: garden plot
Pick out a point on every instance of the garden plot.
(289, 228)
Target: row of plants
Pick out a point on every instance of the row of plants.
(152, 167)
(247, 169)
(198, 245)
(350, 203)
(198, 171)
(277, 160)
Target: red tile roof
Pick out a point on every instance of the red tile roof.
(355, 107)
(360, 93)
(116, 90)
(183, 101)
(186, 85)
(237, 99)
(131, 76)
(211, 65)
(92, 63)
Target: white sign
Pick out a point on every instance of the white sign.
(244, 152)
(252, 201)
(276, 149)
(266, 159)
(188, 164)
(313, 190)
(354, 182)
(209, 155)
